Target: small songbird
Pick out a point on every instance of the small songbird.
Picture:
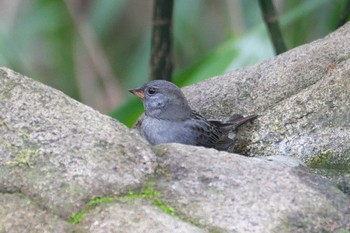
(168, 118)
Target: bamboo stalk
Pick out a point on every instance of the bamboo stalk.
(161, 52)
(271, 20)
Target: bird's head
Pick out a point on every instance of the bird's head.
(163, 100)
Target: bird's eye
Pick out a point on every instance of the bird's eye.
(151, 91)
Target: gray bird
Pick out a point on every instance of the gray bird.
(168, 118)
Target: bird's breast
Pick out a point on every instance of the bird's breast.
(158, 131)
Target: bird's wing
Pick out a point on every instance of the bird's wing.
(138, 123)
(233, 123)
(208, 134)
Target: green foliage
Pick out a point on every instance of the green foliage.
(42, 41)
(128, 112)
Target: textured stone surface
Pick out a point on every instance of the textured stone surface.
(301, 96)
(234, 193)
(138, 216)
(61, 153)
(18, 214)
(314, 122)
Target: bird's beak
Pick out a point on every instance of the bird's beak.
(138, 92)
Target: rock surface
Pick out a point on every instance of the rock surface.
(137, 216)
(301, 96)
(234, 194)
(57, 156)
(19, 214)
(62, 153)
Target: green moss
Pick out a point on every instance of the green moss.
(7, 145)
(336, 190)
(25, 135)
(99, 200)
(329, 160)
(217, 230)
(319, 160)
(159, 150)
(160, 171)
(302, 223)
(148, 192)
(76, 218)
(24, 157)
(163, 207)
(121, 150)
(3, 123)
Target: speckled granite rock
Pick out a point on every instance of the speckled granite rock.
(19, 214)
(234, 193)
(61, 153)
(301, 96)
(136, 216)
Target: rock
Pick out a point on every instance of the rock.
(19, 214)
(61, 153)
(284, 160)
(233, 193)
(137, 216)
(314, 122)
(301, 97)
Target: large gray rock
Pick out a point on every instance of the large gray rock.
(314, 122)
(232, 193)
(61, 153)
(137, 216)
(19, 214)
(301, 96)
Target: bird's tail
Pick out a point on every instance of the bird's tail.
(237, 120)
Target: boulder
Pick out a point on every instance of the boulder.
(134, 216)
(301, 97)
(62, 153)
(20, 214)
(232, 193)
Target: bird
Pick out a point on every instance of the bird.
(168, 118)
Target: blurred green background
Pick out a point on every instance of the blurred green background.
(95, 50)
